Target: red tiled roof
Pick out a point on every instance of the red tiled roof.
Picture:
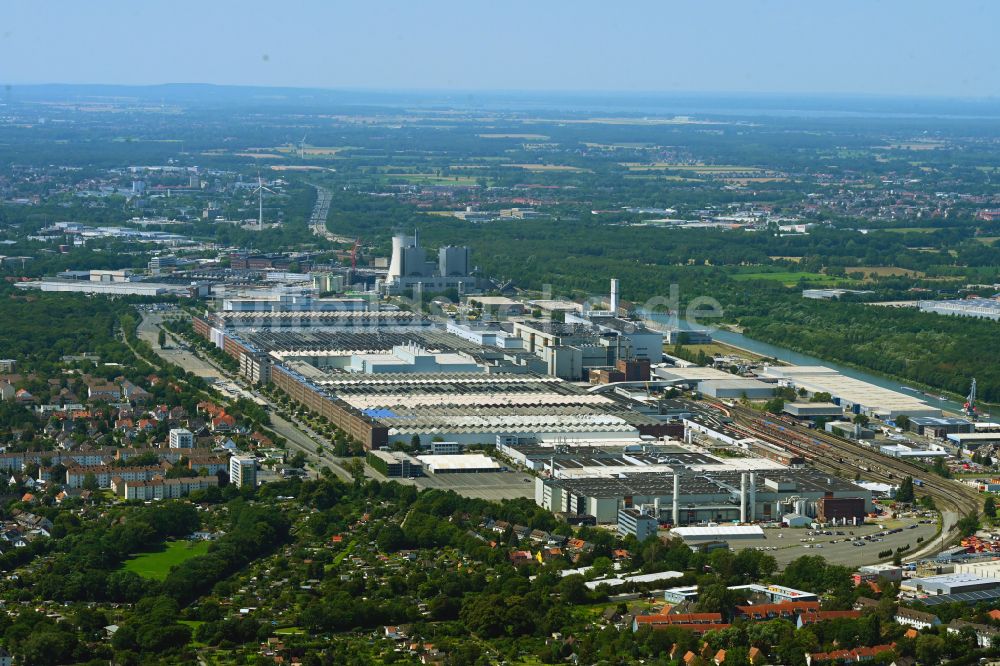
(783, 609)
(852, 655)
(810, 617)
(680, 618)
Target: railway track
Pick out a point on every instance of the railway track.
(847, 458)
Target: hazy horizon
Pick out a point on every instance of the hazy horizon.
(848, 48)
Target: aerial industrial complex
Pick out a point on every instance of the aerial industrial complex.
(583, 402)
(614, 430)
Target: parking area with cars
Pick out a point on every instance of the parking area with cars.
(846, 545)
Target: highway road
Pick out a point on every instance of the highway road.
(321, 210)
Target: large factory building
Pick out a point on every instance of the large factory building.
(687, 498)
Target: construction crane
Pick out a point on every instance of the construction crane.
(970, 401)
(354, 253)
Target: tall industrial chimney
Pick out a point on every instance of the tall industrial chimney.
(614, 296)
(676, 518)
(743, 497)
(752, 498)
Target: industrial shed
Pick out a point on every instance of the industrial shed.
(736, 387)
(473, 463)
(719, 533)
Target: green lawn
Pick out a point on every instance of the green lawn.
(339, 557)
(157, 565)
(790, 277)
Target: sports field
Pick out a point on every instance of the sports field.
(157, 565)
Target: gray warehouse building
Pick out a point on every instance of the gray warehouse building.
(812, 410)
(752, 389)
(636, 523)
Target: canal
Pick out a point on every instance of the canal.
(795, 358)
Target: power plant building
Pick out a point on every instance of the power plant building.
(410, 270)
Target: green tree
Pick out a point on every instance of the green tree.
(968, 525)
(90, 482)
(990, 507)
(905, 491)
(929, 648)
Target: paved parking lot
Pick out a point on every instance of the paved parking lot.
(492, 486)
(789, 547)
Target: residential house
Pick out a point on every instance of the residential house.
(160, 488)
(986, 636)
(916, 619)
(520, 557)
(521, 532)
(102, 391)
(133, 393)
(810, 617)
(857, 655)
(31, 521)
(698, 623)
(223, 423)
(103, 474)
(788, 610)
(863, 603)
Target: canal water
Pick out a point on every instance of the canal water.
(795, 358)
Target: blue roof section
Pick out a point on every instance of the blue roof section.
(964, 597)
(380, 413)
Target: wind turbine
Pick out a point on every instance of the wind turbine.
(302, 148)
(259, 191)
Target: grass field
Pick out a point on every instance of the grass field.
(910, 230)
(548, 167)
(536, 137)
(694, 168)
(790, 278)
(883, 271)
(157, 565)
(719, 348)
(431, 179)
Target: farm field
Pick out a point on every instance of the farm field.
(536, 137)
(790, 277)
(883, 271)
(694, 168)
(719, 349)
(157, 565)
(910, 230)
(548, 167)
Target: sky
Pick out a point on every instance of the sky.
(883, 47)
